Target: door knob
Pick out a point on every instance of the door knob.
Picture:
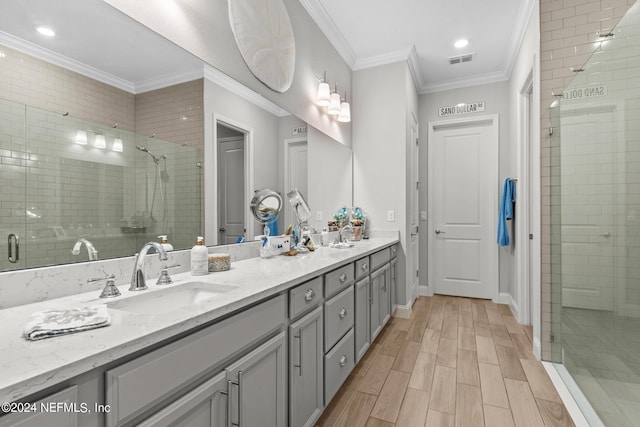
(222, 229)
(439, 231)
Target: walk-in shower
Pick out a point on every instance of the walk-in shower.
(595, 229)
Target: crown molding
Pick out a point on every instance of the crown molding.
(498, 76)
(519, 31)
(414, 68)
(47, 55)
(168, 80)
(233, 86)
(321, 17)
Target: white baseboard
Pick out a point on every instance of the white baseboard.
(423, 291)
(403, 311)
(503, 298)
(537, 348)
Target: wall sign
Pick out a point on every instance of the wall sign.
(585, 92)
(302, 130)
(454, 110)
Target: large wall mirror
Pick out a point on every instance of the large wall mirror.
(110, 136)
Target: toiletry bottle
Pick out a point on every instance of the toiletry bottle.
(325, 237)
(199, 258)
(165, 243)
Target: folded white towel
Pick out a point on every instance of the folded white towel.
(50, 323)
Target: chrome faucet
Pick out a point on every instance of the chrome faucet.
(137, 280)
(93, 253)
(346, 227)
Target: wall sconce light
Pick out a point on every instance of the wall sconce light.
(100, 141)
(323, 97)
(334, 105)
(117, 145)
(81, 137)
(345, 111)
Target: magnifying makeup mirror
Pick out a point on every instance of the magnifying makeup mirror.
(265, 207)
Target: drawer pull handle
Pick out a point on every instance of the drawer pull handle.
(364, 266)
(343, 360)
(309, 295)
(343, 313)
(343, 277)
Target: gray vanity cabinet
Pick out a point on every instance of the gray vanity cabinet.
(362, 320)
(206, 406)
(36, 415)
(258, 386)
(306, 369)
(380, 300)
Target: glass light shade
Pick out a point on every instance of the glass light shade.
(100, 142)
(117, 145)
(81, 137)
(345, 112)
(334, 106)
(323, 99)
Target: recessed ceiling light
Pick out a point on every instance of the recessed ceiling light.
(461, 43)
(48, 32)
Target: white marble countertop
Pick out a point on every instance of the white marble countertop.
(27, 367)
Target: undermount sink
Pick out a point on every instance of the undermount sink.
(341, 245)
(173, 298)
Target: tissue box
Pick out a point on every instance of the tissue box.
(279, 243)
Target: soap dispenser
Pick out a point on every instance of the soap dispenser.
(165, 243)
(199, 258)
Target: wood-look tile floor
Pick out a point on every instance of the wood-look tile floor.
(455, 362)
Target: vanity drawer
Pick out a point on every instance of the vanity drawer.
(305, 297)
(338, 363)
(338, 317)
(138, 385)
(337, 280)
(380, 258)
(362, 267)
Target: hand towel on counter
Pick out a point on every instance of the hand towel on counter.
(50, 323)
(506, 211)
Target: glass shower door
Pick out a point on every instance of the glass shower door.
(13, 169)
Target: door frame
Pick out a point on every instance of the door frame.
(211, 176)
(287, 145)
(493, 119)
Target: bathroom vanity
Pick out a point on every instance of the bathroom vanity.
(270, 348)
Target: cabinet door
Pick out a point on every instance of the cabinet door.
(63, 407)
(393, 271)
(385, 295)
(362, 307)
(205, 406)
(258, 387)
(305, 369)
(375, 318)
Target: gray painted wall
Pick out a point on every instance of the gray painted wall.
(496, 96)
(202, 28)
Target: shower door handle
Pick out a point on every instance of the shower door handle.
(13, 247)
(605, 235)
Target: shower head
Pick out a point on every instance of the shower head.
(146, 150)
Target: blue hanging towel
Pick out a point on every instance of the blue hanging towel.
(506, 210)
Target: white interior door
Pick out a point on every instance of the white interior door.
(231, 197)
(296, 173)
(463, 184)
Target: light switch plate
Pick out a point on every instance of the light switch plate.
(423, 215)
(319, 215)
(391, 216)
